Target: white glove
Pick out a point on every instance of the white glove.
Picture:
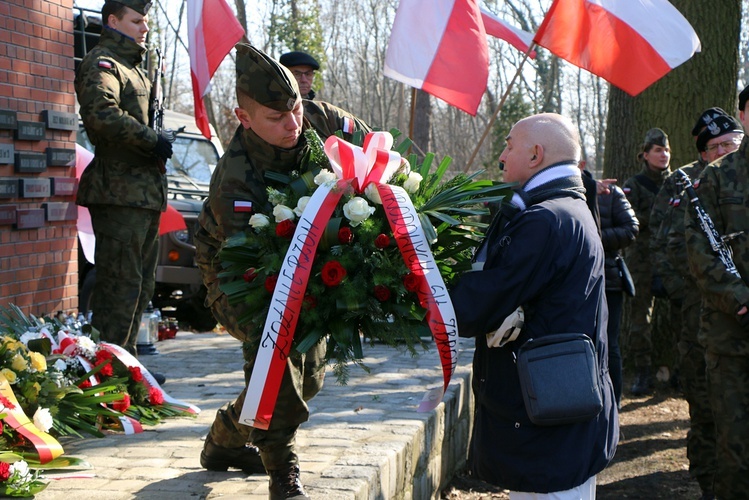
(509, 330)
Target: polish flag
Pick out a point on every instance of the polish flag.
(440, 46)
(498, 28)
(212, 31)
(629, 43)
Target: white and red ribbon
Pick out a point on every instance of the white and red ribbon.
(356, 168)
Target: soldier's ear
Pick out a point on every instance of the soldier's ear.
(244, 117)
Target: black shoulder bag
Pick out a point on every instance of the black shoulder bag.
(559, 377)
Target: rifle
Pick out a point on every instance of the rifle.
(156, 108)
(718, 243)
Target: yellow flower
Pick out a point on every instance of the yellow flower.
(19, 363)
(9, 375)
(12, 344)
(38, 362)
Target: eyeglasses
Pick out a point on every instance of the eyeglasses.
(725, 144)
(308, 74)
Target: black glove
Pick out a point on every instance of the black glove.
(657, 288)
(163, 149)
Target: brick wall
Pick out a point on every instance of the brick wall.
(38, 243)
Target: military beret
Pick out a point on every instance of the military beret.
(705, 119)
(720, 126)
(654, 136)
(265, 80)
(291, 59)
(140, 6)
(743, 97)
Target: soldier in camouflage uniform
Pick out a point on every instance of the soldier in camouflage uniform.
(724, 332)
(641, 191)
(670, 255)
(124, 187)
(273, 118)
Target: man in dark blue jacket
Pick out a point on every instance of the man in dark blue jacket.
(542, 252)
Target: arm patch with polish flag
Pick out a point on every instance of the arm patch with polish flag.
(242, 206)
(106, 64)
(348, 125)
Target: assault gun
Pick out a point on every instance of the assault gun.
(718, 243)
(156, 107)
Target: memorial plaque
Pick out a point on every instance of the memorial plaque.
(35, 188)
(7, 214)
(64, 186)
(8, 119)
(31, 163)
(30, 131)
(56, 211)
(59, 120)
(60, 157)
(29, 218)
(8, 188)
(6, 154)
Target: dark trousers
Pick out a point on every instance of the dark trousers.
(127, 250)
(615, 300)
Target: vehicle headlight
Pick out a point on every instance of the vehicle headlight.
(182, 235)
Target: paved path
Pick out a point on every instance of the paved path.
(363, 441)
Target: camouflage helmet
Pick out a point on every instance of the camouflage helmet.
(140, 6)
(265, 80)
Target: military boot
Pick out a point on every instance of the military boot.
(643, 384)
(285, 484)
(215, 457)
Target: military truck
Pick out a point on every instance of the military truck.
(179, 290)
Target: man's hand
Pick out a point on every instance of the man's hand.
(603, 186)
(743, 317)
(162, 151)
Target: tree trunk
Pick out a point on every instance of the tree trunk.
(422, 120)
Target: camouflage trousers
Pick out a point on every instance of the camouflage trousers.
(693, 377)
(639, 341)
(127, 250)
(302, 380)
(728, 382)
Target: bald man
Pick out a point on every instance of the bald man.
(542, 253)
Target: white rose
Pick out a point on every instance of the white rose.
(357, 210)
(43, 419)
(412, 183)
(21, 467)
(282, 212)
(86, 345)
(259, 220)
(371, 192)
(324, 176)
(29, 335)
(60, 365)
(301, 205)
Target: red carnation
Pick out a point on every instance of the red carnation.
(345, 235)
(123, 404)
(4, 471)
(107, 371)
(85, 384)
(270, 282)
(382, 241)
(135, 373)
(285, 229)
(103, 355)
(381, 292)
(155, 396)
(250, 275)
(412, 282)
(333, 273)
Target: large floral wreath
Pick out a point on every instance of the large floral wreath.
(362, 284)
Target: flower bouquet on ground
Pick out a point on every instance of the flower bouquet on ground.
(362, 278)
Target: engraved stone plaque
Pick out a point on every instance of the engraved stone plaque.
(35, 188)
(30, 131)
(64, 186)
(29, 218)
(59, 120)
(60, 157)
(57, 211)
(6, 154)
(30, 163)
(7, 214)
(8, 119)
(8, 188)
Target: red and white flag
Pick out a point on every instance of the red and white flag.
(440, 46)
(498, 28)
(212, 30)
(629, 43)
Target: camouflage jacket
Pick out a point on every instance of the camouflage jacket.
(667, 245)
(641, 190)
(114, 93)
(239, 177)
(723, 192)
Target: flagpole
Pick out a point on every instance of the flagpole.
(499, 107)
